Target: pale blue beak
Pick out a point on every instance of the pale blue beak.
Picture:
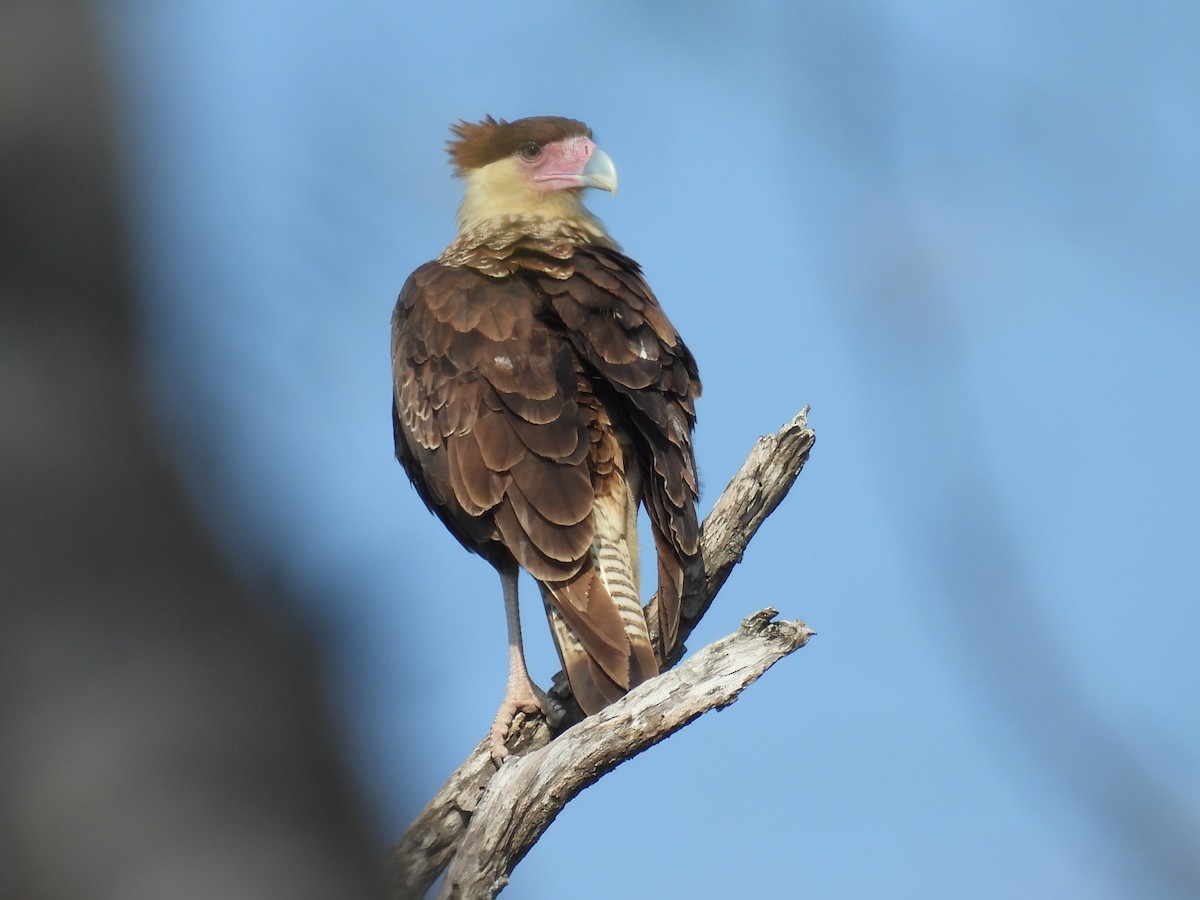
(600, 172)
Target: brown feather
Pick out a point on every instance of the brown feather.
(566, 542)
(670, 588)
(476, 487)
(499, 445)
(564, 441)
(524, 370)
(531, 409)
(590, 684)
(514, 543)
(560, 494)
(589, 612)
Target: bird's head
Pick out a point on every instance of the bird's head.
(534, 168)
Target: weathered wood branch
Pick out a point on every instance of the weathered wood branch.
(454, 820)
(529, 791)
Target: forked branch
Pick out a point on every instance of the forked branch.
(483, 820)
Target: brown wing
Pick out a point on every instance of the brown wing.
(485, 419)
(488, 427)
(648, 380)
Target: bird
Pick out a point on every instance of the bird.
(541, 398)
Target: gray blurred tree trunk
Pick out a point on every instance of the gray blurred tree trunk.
(160, 735)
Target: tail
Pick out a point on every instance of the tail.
(596, 617)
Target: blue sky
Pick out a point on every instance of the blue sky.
(967, 235)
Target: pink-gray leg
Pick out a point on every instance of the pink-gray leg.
(520, 693)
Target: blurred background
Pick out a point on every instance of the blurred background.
(968, 235)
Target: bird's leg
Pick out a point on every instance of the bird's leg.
(520, 693)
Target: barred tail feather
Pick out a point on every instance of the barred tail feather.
(596, 617)
(591, 685)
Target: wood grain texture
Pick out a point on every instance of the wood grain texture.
(526, 794)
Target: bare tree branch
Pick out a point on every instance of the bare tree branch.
(529, 791)
(447, 826)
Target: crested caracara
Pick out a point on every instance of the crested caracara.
(541, 396)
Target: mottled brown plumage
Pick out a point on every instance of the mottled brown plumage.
(541, 395)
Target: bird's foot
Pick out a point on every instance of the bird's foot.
(521, 696)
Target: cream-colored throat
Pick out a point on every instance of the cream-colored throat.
(500, 191)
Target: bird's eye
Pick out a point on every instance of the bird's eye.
(529, 151)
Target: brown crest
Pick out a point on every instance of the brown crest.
(478, 143)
